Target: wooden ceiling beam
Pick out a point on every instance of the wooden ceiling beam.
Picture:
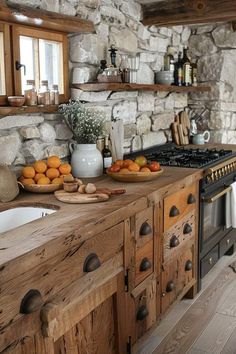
(186, 12)
(49, 20)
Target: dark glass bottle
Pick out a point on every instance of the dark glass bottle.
(187, 69)
(106, 155)
(178, 74)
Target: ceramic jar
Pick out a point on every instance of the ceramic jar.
(86, 160)
(200, 139)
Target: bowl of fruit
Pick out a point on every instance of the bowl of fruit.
(44, 176)
(138, 170)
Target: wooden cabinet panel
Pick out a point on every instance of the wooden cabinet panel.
(144, 227)
(144, 262)
(185, 269)
(169, 278)
(179, 204)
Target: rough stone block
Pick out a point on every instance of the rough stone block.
(162, 121)
(224, 37)
(136, 143)
(131, 9)
(112, 15)
(117, 36)
(143, 124)
(145, 74)
(146, 101)
(47, 133)
(159, 44)
(81, 95)
(19, 121)
(200, 45)
(30, 133)
(143, 32)
(121, 95)
(87, 48)
(63, 132)
(126, 111)
(153, 138)
(129, 130)
(58, 150)
(9, 148)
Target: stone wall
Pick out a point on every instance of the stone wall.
(146, 115)
(214, 47)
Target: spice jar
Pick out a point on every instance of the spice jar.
(54, 95)
(125, 68)
(44, 94)
(30, 94)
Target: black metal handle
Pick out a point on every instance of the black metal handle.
(187, 229)
(142, 313)
(170, 286)
(174, 241)
(145, 229)
(91, 263)
(31, 302)
(145, 265)
(18, 66)
(174, 211)
(188, 265)
(191, 199)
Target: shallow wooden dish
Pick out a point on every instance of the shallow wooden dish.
(135, 176)
(36, 188)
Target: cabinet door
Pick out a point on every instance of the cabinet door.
(169, 278)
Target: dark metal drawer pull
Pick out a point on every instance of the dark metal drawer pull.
(174, 241)
(91, 263)
(31, 302)
(145, 265)
(142, 313)
(174, 211)
(188, 266)
(191, 199)
(170, 286)
(187, 229)
(145, 229)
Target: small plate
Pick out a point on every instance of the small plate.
(135, 176)
(36, 188)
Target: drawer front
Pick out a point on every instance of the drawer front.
(185, 269)
(144, 227)
(143, 262)
(174, 239)
(169, 278)
(227, 242)
(179, 204)
(209, 261)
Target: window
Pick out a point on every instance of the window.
(5, 61)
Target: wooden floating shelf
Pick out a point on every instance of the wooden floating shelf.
(7, 110)
(112, 86)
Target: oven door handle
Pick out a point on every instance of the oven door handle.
(217, 196)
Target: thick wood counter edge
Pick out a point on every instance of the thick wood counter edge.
(34, 243)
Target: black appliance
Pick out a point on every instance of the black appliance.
(219, 167)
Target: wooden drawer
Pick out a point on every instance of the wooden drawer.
(209, 261)
(179, 204)
(144, 227)
(185, 269)
(143, 262)
(227, 242)
(169, 278)
(175, 237)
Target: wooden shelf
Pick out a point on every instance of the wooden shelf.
(7, 110)
(97, 87)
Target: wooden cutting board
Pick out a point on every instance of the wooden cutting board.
(78, 198)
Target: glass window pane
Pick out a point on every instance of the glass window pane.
(51, 63)
(28, 57)
(2, 67)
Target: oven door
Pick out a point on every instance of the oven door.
(212, 218)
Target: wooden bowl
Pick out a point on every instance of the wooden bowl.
(16, 101)
(36, 188)
(135, 176)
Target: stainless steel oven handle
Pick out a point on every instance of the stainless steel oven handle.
(217, 196)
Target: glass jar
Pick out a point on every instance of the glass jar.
(125, 68)
(44, 94)
(54, 95)
(30, 93)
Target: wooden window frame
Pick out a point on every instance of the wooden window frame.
(5, 29)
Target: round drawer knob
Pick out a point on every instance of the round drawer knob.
(142, 313)
(191, 199)
(187, 229)
(174, 241)
(91, 263)
(174, 211)
(188, 266)
(170, 286)
(145, 229)
(145, 265)
(31, 302)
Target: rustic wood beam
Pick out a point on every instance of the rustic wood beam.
(29, 16)
(184, 12)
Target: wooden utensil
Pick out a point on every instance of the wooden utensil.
(109, 191)
(175, 133)
(184, 122)
(77, 198)
(181, 134)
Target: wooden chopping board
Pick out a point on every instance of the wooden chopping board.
(78, 198)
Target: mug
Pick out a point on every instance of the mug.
(200, 139)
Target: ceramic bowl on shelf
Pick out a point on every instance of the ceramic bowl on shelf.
(164, 77)
(135, 176)
(16, 101)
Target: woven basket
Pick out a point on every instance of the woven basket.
(8, 184)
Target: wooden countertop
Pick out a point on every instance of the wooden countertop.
(27, 246)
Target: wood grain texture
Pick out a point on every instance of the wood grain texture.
(28, 109)
(145, 252)
(145, 216)
(181, 12)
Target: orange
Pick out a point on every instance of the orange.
(134, 167)
(43, 181)
(58, 180)
(65, 168)
(52, 173)
(145, 169)
(54, 161)
(40, 166)
(124, 170)
(28, 181)
(127, 163)
(38, 176)
(119, 162)
(28, 172)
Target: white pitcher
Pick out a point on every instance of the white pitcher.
(201, 138)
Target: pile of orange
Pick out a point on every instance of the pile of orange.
(140, 164)
(42, 172)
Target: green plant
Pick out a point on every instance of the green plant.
(85, 124)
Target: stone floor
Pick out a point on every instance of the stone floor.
(205, 325)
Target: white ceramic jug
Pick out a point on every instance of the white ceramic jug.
(201, 138)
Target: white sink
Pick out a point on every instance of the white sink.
(12, 218)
